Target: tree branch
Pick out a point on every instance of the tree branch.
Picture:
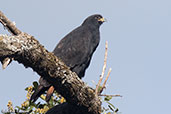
(10, 26)
(103, 71)
(103, 86)
(110, 95)
(27, 50)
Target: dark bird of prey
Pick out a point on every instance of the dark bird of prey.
(75, 50)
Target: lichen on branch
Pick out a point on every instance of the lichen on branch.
(27, 50)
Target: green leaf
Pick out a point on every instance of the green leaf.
(18, 107)
(35, 84)
(37, 105)
(108, 98)
(111, 104)
(30, 109)
(17, 110)
(111, 108)
(41, 105)
(117, 110)
(26, 88)
(51, 102)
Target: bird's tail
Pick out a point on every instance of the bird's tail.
(44, 86)
(40, 90)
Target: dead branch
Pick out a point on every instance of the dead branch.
(103, 86)
(110, 95)
(100, 90)
(27, 50)
(103, 71)
(10, 26)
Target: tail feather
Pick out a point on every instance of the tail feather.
(40, 90)
(44, 86)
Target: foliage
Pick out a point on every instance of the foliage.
(110, 108)
(34, 108)
(41, 108)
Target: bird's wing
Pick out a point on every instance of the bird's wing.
(76, 48)
(72, 49)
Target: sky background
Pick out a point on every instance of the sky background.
(138, 32)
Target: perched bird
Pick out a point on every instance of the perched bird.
(75, 50)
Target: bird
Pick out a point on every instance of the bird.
(75, 50)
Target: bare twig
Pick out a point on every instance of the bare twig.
(111, 95)
(10, 26)
(104, 68)
(103, 86)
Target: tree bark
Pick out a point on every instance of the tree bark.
(28, 51)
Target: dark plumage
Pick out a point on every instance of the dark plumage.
(75, 50)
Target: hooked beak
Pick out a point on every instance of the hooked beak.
(102, 20)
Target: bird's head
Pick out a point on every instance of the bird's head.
(94, 20)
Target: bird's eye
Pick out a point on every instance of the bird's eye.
(97, 17)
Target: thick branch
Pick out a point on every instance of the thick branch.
(26, 50)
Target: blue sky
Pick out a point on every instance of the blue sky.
(139, 39)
